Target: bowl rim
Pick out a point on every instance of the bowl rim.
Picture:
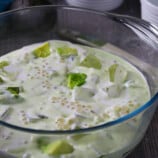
(117, 121)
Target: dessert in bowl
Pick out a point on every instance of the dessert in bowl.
(62, 99)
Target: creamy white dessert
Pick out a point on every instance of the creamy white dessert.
(58, 85)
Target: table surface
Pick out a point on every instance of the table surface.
(148, 148)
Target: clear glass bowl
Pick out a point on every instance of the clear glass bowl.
(132, 39)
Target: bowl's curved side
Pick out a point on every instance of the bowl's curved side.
(136, 37)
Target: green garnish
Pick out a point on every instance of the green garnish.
(59, 147)
(91, 61)
(14, 90)
(42, 51)
(76, 79)
(3, 64)
(66, 51)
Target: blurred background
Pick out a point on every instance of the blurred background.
(145, 9)
(129, 7)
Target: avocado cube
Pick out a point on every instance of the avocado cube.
(59, 147)
(91, 61)
(66, 51)
(42, 51)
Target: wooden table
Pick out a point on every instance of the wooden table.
(148, 148)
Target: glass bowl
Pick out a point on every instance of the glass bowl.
(132, 39)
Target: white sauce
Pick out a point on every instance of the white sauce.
(46, 102)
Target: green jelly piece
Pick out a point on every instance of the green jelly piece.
(42, 51)
(112, 71)
(91, 61)
(117, 73)
(59, 147)
(1, 80)
(76, 79)
(42, 143)
(14, 90)
(66, 51)
(3, 64)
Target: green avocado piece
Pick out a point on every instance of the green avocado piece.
(66, 51)
(15, 90)
(91, 61)
(75, 79)
(3, 64)
(42, 51)
(59, 147)
(117, 73)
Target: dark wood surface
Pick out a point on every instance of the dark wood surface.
(148, 148)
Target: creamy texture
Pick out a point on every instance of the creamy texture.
(41, 94)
